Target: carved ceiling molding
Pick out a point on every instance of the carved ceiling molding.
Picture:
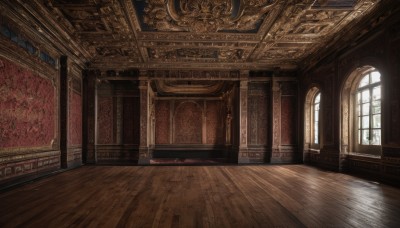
(189, 44)
(191, 75)
(277, 64)
(370, 15)
(206, 15)
(197, 54)
(97, 24)
(171, 34)
(179, 36)
(188, 87)
(35, 23)
(303, 23)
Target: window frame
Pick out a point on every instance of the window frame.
(360, 148)
(313, 121)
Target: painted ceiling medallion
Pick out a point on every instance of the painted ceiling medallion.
(206, 15)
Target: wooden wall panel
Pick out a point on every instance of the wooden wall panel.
(214, 122)
(105, 120)
(131, 120)
(162, 122)
(289, 113)
(23, 169)
(136, 130)
(28, 108)
(393, 122)
(288, 124)
(263, 120)
(258, 114)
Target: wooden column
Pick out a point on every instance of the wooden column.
(64, 111)
(118, 121)
(89, 117)
(243, 92)
(152, 120)
(276, 121)
(145, 154)
(228, 119)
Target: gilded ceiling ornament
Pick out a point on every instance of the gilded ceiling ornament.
(196, 54)
(206, 15)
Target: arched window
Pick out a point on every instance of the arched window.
(316, 118)
(368, 110)
(361, 112)
(312, 120)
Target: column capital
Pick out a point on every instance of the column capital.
(276, 86)
(143, 75)
(244, 84)
(244, 74)
(143, 84)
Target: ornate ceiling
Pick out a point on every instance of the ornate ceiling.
(205, 34)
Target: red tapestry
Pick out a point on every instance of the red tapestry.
(105, 120)
(75, 119)
(27, 104)
(188, 123)
(162, 115)
(288, 125)
(214, 122)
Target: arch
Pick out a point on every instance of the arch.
(188, 123)
(348, 108)
(308, 119)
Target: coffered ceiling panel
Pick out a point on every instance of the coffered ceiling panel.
(201, 16)
(205, 34)
(100, 25)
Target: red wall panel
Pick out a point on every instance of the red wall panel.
(105, 120)
(162, 115)
(188, 123)
(75, 119)
(27, 104)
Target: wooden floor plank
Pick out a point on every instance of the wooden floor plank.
(201, 196)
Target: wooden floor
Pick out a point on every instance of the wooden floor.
(201, 196)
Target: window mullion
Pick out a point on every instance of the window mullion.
(370, 115)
